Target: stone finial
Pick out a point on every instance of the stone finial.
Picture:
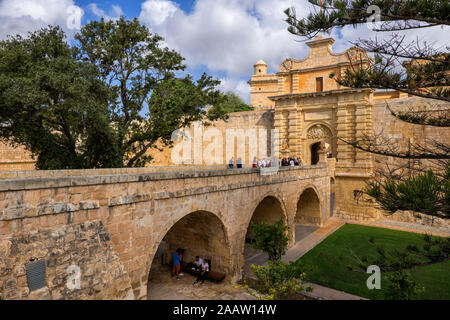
(319, 37)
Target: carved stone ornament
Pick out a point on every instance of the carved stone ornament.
(286, 65)
(319, 131)
(356, 54)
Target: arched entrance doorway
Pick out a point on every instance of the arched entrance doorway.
(269, 210)
(315, 148)
(199, 233)
(317, 137)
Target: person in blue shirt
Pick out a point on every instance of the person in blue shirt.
(177, 256)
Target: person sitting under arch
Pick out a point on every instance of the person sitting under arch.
(203, 273)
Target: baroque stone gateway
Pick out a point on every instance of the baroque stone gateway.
(94, 233)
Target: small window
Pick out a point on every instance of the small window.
(259, 70)
(319, 84)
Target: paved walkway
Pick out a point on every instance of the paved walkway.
(310, 241)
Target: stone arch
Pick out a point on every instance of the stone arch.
(269, 208)
(200, 233)
(309, 208)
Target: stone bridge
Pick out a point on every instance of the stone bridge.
(103, 228)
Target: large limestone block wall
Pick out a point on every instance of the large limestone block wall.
(240, 126)
(14, 158)
(402, 133)
(138, 208)
(86, 246)
(350, 181)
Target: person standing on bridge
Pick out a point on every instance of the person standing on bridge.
(177, 256)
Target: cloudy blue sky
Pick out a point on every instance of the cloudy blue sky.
(222, 37)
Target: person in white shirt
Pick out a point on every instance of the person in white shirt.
(263, 163)
(203, 273)
(197, 263)
(292, 163)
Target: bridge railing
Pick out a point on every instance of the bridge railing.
(12, 175)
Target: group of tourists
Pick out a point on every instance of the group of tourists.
(291, 162)
(238, 163)
(265, 163)
(199, 265)
(262, 163)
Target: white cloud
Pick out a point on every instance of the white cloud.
(156, 12)
(114, 13)
(240, 87)
(225, 35)
(21, 17)
(230, 35)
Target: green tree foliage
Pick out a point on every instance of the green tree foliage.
(278, 280)
(271, 239)
(426, 193)
(102, 103)
(402, 287)
(412, 67)
(143, 74)
(233, 103)
(54, 104)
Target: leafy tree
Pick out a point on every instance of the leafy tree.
(143, 74)
(54, 104)
(426, 193)
(411, 67)
(102, 103)
(277, 280)
(402, 287)
(271, 239)
(233, 103)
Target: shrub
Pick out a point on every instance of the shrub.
(402, 287)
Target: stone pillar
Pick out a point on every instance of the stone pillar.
(278, 125)
(363, 126)
(342, 131)
(281, 81)
(294, 131)
(295, 84)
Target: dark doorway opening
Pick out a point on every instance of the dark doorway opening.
(315, 153)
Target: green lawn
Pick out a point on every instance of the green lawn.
(329, 262)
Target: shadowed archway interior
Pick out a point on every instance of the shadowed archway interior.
(308, 208)
(268, 210)
(199, 233)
